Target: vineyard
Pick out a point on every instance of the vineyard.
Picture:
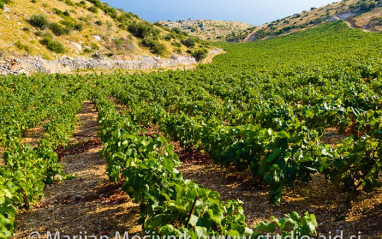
(263, 109)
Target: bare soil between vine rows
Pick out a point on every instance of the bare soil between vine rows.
(87, 204)
(90, 203)
(335, 210)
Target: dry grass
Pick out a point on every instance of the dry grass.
(370, 20)
(366, 21)
(14, 20)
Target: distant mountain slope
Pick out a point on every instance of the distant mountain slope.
(363, 14)
(212, 30)
(51, 28)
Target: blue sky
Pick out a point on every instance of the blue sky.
(256, 12)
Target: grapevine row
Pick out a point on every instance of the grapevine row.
(169, 204)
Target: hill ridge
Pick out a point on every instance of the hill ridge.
(213, 30)
(361, 14)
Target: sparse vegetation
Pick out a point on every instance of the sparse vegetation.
(93, 9)
(190, 42)
(40, 21)
(143, 30)
(208, 30)
(105, 29)
(58, 29)
(317, 16)
(120, 45)
(79, 26)
(21, 46)
(52, 45)
(154, 45)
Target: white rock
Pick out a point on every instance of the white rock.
(98, 38)
(6, 9)
(78, 46)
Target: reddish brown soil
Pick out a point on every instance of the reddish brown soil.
(335, 210)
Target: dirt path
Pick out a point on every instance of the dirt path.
(34, 135)
(87, 204)
(250, 37)
(350, 23)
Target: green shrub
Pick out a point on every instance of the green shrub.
(168, 37)
(155, 46)
(112, 12)
(93, 9)
(178, 50)
(79, 27)
(94, 46)
(2, 2)
(21, 46)
(200, 54)
(88, 50)
(39, 21)
(177, 30)
(190, 42)
(96, 3)
(177, 44)
(39, 33)
(66, 13)
(122, 26)
(124, 17)
(99, 23)
(143, 30)
(58, 30)
(69, 23)
(57, 11)
(69, 2)
(52, 44)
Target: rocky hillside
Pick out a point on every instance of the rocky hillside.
(363, 14)
(53, 28)
(212, 30)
